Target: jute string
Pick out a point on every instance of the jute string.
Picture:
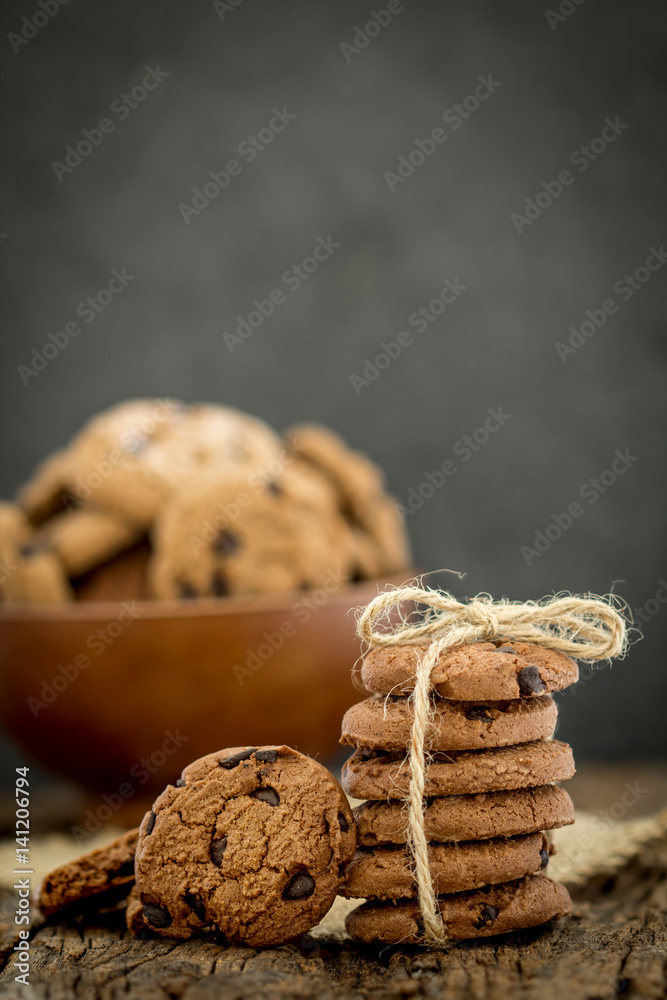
(588, 628)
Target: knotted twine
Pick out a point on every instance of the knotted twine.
(588, 628)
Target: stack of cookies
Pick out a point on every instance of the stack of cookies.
(154, 498)
(490, 790)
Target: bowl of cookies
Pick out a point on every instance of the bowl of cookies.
(180, 577)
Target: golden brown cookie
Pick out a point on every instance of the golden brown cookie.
(251, 840)
(385, 723)
(387, 872)
(105, 873)
(491, 671)
(84, 538)
(29, 573)
(382, 776)
(133, 456)
(495, 909)
(468, 817)
(47, 489)
(359, 486)
(221, 537)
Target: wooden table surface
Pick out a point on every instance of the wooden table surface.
(614, 944)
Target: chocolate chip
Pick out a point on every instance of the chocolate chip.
(266, 756)
(487, 915)
(273, 487)
(300, 886)
(229, 762)
(186, 591)
(219, 584)
(530, 681)
(180, 782)
(150, 822)
(479, 713)
(157, 916)
(544, 858)
(225, 544)
(218, 848)
(342, 822)
(195, 904)
(507, 649)
(269, 795)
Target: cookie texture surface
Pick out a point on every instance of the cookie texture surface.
(382, 776)
(253, 841)
(221, 537)
(105, 872)
(386, 872)
(495, 909)
(385, 723)
(484, 670)
(468, 817)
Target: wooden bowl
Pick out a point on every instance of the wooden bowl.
(128, 693)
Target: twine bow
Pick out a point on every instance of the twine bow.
(588, 628)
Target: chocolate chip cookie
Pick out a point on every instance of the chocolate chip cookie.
(84, 538)
(105, 874)
(385, 723)
(29, 572)
(495, 909)
(382, 775)
(483, 670)
(387, 872)
(253, 841)
(468, 817)
(221, 537)
(359, 487)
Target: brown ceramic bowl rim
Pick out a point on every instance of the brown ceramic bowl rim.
(196, 607)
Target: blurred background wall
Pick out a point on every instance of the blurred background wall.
(342, 104)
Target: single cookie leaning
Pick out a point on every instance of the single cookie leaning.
(468, 817)
(104, 874)
(491, 671)
(252, 840)
(387, 873)
(381, 776)
(496, 909)
(385, 723)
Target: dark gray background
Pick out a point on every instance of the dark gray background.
(495, 346)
